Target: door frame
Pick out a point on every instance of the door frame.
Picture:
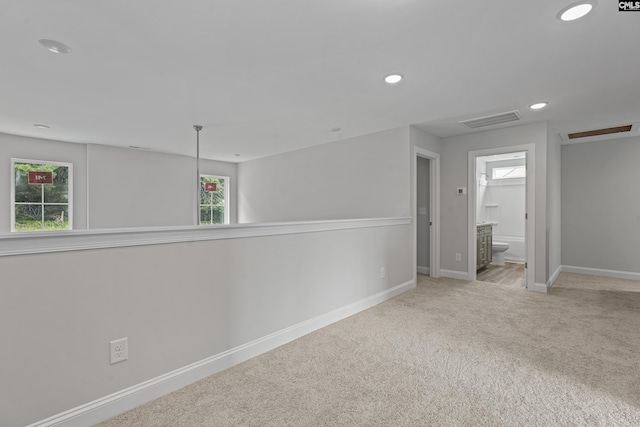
(530, 210)
(434, 211)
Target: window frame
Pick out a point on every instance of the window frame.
(493, 171)
(69, 203)
(226, 198)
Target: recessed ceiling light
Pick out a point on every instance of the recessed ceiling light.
(393, 78)
(576, 10)
(39, 126)
(538, 105)
(54, 46)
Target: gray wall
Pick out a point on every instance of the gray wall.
(364, 177)
(454, 172)
(601, 205)
(173, 311)
(134, 188)
(422, 220)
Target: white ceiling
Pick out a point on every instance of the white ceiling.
(265, 77)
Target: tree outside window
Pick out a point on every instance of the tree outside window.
(214, 200)
(38, 206)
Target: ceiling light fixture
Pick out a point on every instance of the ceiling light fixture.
(538, 105)
(336, 129)
(41, 126)
(54, 46)
(576, 10)
(393, 78)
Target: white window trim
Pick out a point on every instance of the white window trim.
(226, 196)
(493, 169)
(12, 206)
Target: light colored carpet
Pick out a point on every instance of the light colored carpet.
(446, 353)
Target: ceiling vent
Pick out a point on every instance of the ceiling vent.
(496, 119)
(601, 134)
(598, 132)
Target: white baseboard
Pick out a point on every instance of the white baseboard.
(514, 260)
(423, 270)
(539, 287)
(453, 274)
(602, 272)
(554, 276)
(129, 398)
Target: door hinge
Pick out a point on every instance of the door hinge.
(526, 216)
(525, 265)
(430, 223)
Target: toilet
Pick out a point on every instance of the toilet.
(498, 249)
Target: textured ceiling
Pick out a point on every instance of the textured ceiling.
(265, 77)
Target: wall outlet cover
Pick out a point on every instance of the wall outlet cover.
(119, 350)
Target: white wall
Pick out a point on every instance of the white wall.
(12, 146)
(363, 177)
(510, 197)
(454, 174)
(600, 205)
(481, 182)
(177, 304)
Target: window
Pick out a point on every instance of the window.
(214, 199)
(509, 172)
(41, 196)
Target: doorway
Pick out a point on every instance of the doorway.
(501, 199)
(425, 206)
(500, 215)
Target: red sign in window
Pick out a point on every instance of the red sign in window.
(40, 177)
(210, 187)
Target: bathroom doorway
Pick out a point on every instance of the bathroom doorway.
(500, 215)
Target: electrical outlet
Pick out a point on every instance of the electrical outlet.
(119, 350)
(383, 273)
(458, 257)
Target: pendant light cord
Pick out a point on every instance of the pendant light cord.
(197, 128)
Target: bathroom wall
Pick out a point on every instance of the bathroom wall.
(481, 182)
(504, 203)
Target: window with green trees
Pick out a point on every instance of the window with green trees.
(41, 196)
(214, 199)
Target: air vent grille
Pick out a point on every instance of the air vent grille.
(496, 119)
(597, 132)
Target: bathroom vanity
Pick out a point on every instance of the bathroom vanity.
(484, 254)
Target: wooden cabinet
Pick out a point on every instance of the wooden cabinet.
(484, 254)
